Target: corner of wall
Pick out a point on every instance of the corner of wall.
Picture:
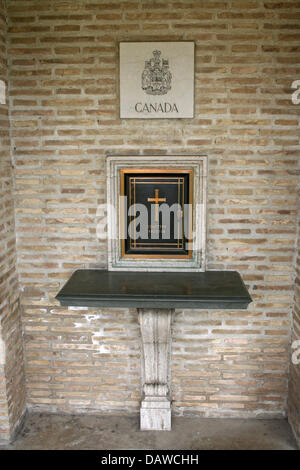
(12, 383)
(294, 376)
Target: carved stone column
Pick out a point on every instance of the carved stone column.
(156, 348)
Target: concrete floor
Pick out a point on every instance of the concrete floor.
(87, 432)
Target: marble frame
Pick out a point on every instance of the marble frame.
(197, 163)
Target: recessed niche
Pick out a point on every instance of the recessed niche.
(156, 213)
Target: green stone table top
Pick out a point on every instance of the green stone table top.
(201, 290)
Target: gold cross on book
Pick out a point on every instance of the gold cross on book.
(156, 200)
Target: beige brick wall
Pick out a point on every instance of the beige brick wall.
(64, 98)
(294, 383)
(12, 390)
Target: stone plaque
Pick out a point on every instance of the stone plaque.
(157, 213)
(157, 80)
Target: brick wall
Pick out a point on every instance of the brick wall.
(64, 98)
(12, 396)
(294, 384)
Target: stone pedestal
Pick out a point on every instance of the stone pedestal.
(150, 293)
(155, 326)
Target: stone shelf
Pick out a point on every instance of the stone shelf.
(155, 295)
(204, 290)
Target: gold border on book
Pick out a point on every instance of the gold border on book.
(122, 210)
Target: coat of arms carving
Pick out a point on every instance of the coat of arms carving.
(157, 80)
(156, 76)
